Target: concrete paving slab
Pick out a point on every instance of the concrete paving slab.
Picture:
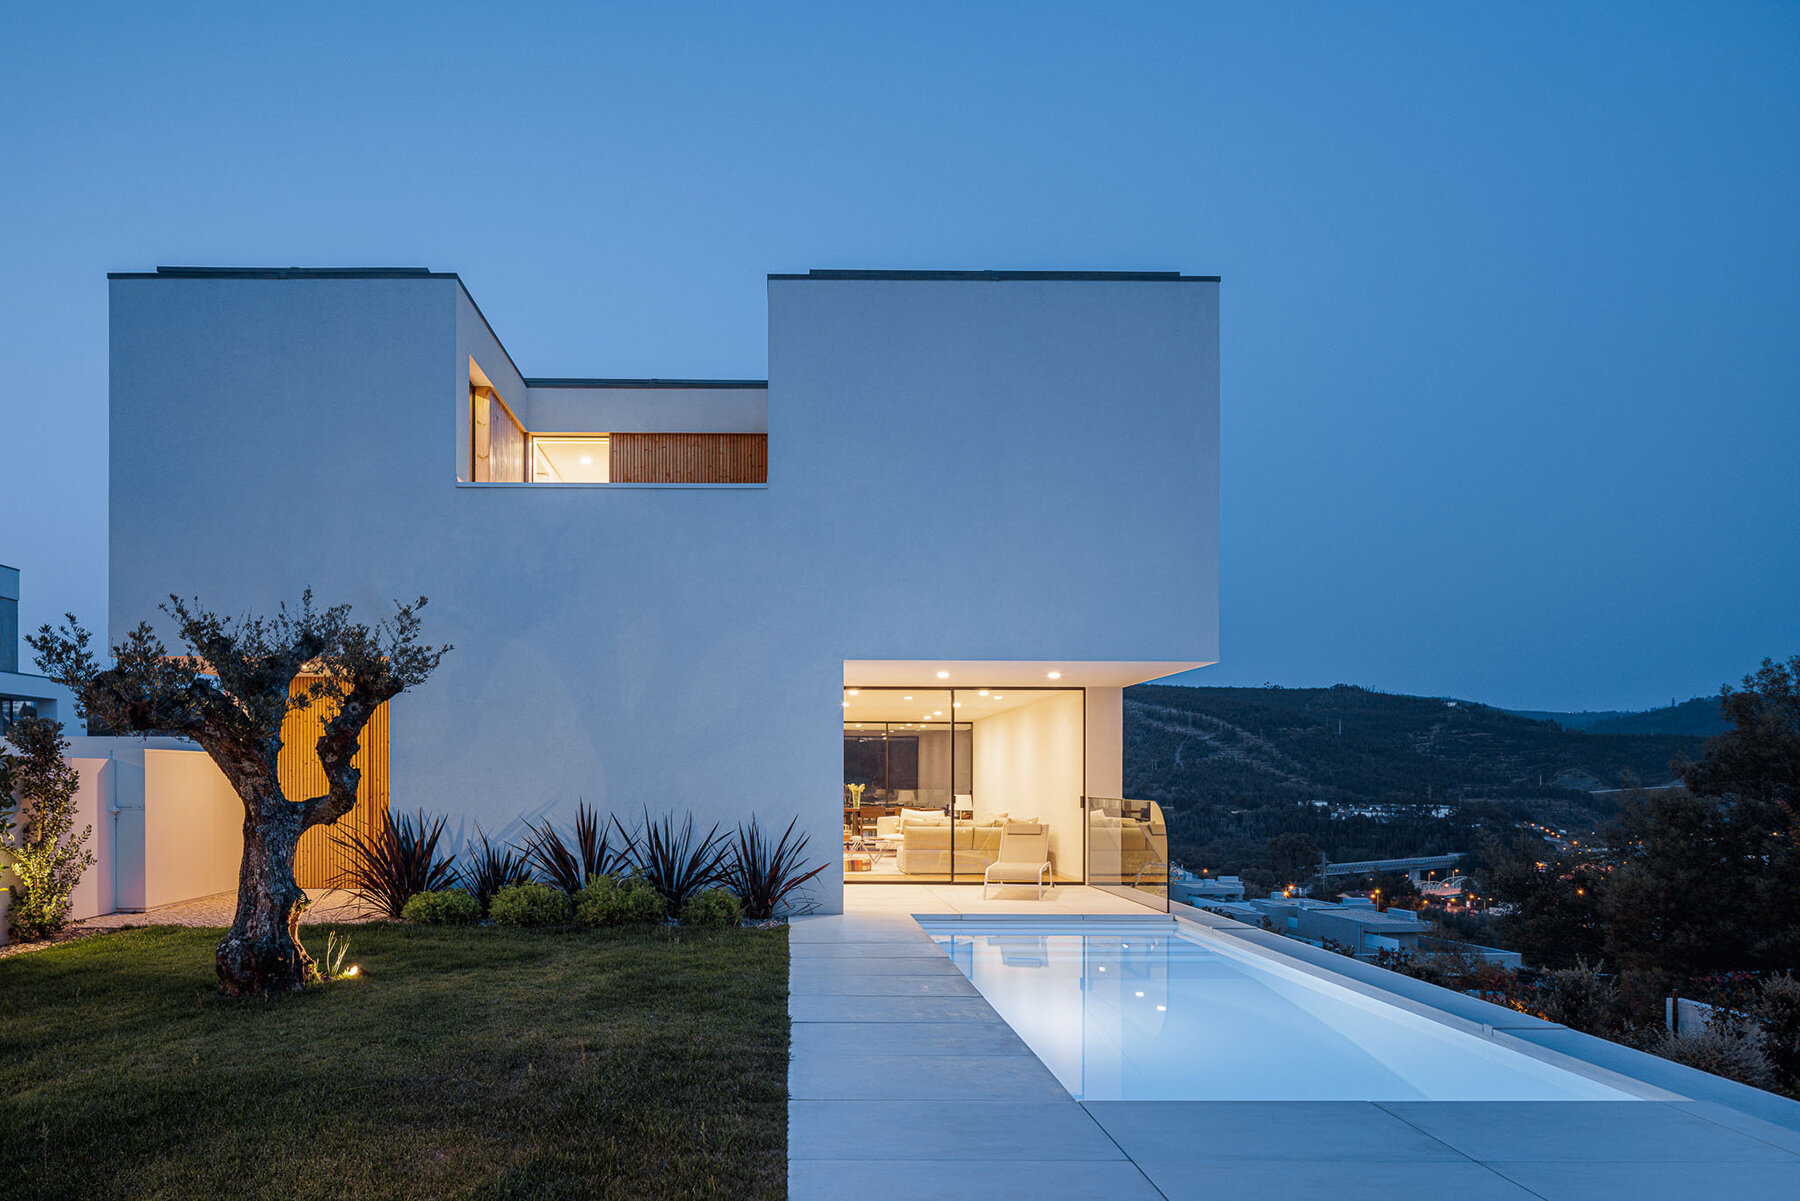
(871, 985)
(895, 949)
(1219, 1131)
(1617, 1131)
(959, 1079)
(1743, 1123)
(838, 1007)
(907, 1038)
(840, 929)
(1604, 1180)
(826, 967)
(966, 1180)
(1350, 1180)
(1037, 1131)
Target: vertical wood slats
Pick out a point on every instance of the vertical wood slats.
(319, 860)
(497, 442)
(690, 458)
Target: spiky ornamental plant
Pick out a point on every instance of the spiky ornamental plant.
(49, 859)
(768, 876)
(231, 695)
(570, 868)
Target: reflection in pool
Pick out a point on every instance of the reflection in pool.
(1143, 1010)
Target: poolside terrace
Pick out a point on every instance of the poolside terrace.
(905, 1083)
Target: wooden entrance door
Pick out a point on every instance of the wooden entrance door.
(319, 860)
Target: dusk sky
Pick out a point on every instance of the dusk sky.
(1510, 331)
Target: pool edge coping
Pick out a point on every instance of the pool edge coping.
(1643, 1076)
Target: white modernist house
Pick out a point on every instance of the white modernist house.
(894, 590)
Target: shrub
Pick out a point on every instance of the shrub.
(488, 868)
(1581, 998)
(768, 876)
(676, 861)
(711, 907)
(445, 907)
(48, 861)
(1725, 1048)
(1777, 1007)
(608, 901)
(395, 862)
(595, 852)
(530, 905)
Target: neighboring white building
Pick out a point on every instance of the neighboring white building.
(967, 507)
(22, 693)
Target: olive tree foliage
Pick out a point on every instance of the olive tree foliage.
(230, 694)
(47, 858)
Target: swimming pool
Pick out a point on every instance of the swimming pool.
(1151, 1009)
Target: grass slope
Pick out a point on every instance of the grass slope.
(478, 1063)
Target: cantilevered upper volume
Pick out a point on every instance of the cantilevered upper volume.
(659, 589)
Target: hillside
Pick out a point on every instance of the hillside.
(1347, 744)
(1699, 717)
(1365, 775)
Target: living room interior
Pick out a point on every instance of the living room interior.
(942, 783)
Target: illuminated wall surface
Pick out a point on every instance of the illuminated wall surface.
(957, 469)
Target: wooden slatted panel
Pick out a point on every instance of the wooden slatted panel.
(690, 458)
(497, 443)
(319, 860)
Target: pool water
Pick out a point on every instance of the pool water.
(1151, 1009)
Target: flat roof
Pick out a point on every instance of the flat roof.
(1088, 276)
(569, 382)
(285, 273)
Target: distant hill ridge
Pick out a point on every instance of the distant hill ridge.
(1215, 746)
(1699, 716)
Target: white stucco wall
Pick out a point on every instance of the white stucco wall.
(1006, 470)
(193, 828)
(164, 825)
(1105, 742)
(648, 410)
(167, 825)
(93, 812)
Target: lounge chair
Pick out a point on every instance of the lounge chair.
(1024, 859)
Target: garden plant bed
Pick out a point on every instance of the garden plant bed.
(462, 1062)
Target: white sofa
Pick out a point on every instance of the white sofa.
(937, 846)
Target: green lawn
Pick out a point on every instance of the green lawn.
(463, 1063)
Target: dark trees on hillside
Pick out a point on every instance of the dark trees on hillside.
(1757, 761)
(1709, 877)
(1699, 880)
(1293, 857)
(231, 695)
(1552, 900)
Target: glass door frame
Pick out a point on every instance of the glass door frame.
(953, 876)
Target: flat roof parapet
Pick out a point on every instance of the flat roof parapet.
(284, 273)
(569, 382)
(1080, 276)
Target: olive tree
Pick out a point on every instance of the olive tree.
(230, 694)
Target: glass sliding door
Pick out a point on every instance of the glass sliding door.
(899, 785)
(935, 781)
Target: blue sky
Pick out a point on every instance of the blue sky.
(1511, 376)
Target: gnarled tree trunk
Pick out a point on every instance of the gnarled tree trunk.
(262, 953)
